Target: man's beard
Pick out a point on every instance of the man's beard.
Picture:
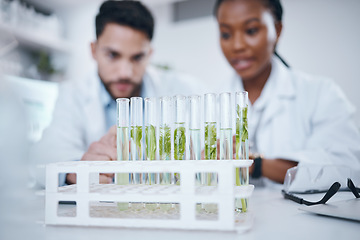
(134, 93)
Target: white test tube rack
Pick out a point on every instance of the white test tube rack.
(88, 190)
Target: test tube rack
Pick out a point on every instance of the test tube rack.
(90, 196)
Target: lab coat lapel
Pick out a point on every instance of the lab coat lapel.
(151, 83)
(274, 131)
(273, 108)
(283, 90)
(94, 112)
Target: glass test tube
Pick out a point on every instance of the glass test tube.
(150, 142)
(180, 128)
(165, 135)
(165, 142)
(122, 143)
(226, 141)
(165, 129)
(150, 134)
(195, 145)
(136, 134)
(210, 179)
(210, 127)
(195, 142)
(179, 131)
(242, 145)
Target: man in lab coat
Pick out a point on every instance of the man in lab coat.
(83, 126)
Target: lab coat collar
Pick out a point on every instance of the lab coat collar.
(93, 107)
(279, 87)
(150, 81)
(105, 97)
(95, 98)
(279, 84)
(283, 78)
(282, 90)
(280, 78)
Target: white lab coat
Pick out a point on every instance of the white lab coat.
(79, 117)
(302, 118)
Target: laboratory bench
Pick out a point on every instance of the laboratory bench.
(274, 218)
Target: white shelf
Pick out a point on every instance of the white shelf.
(160, 2)
(36, 40)
(55, 5)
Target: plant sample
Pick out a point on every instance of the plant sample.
(179, 142)
(150, 142)
(241, 133)
(165, 142)
(226, 140)
(44, 64)
(210, 141)
(136, 136)
(241, 150)
(122, 144)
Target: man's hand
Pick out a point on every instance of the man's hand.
(102, 150)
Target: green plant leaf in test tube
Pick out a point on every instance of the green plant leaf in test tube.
(150, 142)
(210, 141)
(179, 143)
(241, 148)
(165, 142)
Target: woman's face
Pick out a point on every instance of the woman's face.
(248, 35)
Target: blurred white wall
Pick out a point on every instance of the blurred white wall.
(320, 37)
(79, 23)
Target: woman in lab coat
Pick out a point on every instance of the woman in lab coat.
(294, 118)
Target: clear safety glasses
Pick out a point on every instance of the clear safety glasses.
(334, 188)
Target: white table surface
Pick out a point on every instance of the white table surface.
(274, 218)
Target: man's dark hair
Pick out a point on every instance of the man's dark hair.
(128, 13)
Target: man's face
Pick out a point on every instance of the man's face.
(122, 54)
